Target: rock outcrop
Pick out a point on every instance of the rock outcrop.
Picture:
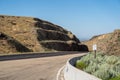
(35, 35)
(106, 43)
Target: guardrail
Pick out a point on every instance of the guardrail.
(72, 73)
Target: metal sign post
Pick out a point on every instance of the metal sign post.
(94, 49)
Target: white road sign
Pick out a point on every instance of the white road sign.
(94, 47)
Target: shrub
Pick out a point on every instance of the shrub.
(80, 64)
(102, 73)
(112, 59)
(92, 67)
(103, 66)
(116, 78)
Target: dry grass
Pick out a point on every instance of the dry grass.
(31, 31)
(107, 43)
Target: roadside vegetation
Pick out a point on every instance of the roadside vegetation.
(103, 66)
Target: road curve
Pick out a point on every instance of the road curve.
(43, 68)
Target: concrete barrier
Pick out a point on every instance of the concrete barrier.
(72, 73)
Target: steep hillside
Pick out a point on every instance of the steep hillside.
(9, 45)
(106, 43)
(36, 35)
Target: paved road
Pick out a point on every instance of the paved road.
(44, 68)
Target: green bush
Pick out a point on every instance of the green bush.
(80, 64)
(103, 66)
(102, 73)
(116, 78)
(92, 67)
(112, 59)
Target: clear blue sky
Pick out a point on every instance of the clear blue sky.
(85, 18)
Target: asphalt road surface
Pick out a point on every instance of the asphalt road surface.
(43, 68)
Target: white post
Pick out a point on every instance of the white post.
(94, 49)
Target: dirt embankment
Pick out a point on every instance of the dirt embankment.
(106, 43)
(35, 35)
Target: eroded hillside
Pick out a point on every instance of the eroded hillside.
(106, 43)
(9, 45)
(36, 35)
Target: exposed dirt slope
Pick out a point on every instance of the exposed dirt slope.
(9, 45)
(37, 35)
(106, 43)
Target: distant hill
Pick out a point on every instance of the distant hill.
(27, 34)
(106, 43)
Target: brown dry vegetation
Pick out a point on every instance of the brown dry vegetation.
(106, 43)
(35, 35)
(9, 45)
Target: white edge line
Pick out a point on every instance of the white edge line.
(58, 73)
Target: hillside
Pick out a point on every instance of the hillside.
(106, 43)
(35, 35)
(8, 44)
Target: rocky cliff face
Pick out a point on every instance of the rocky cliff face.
(35, 35)
(106, 43)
